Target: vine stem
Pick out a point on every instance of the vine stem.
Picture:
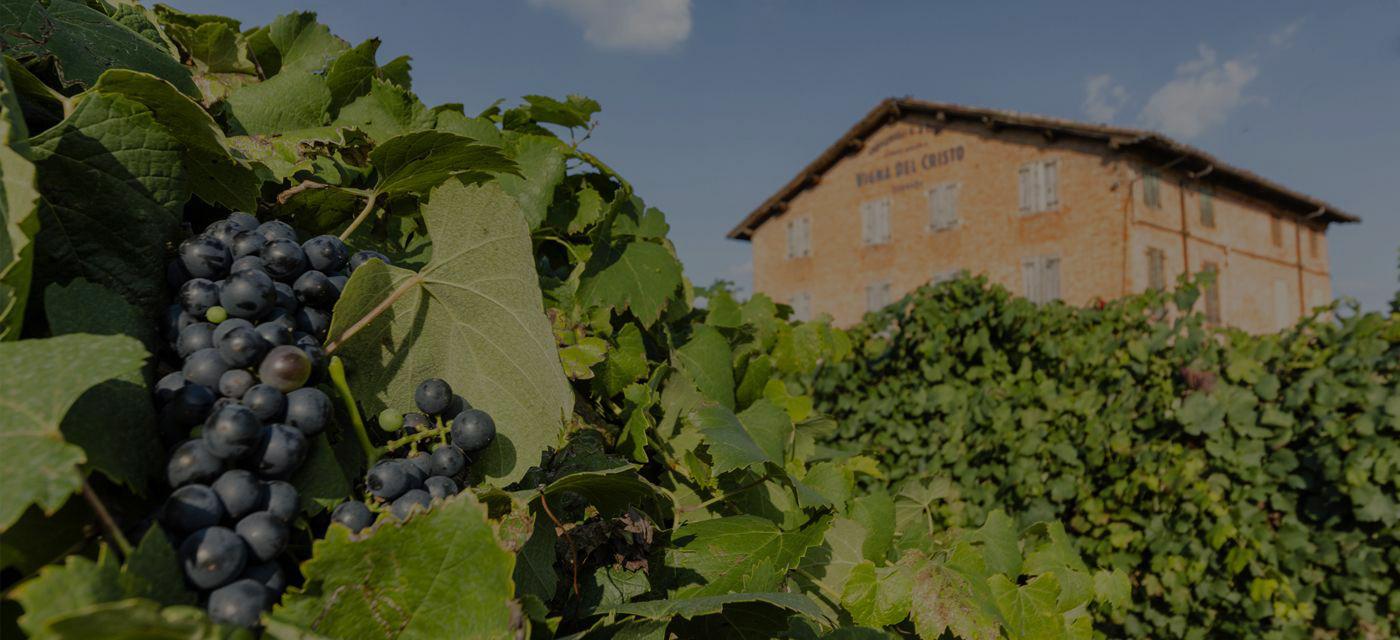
(342, 388)
(109, 525)
(573, 551)
(724, 496)
(360, 217)
(412, 438)
(374, 313)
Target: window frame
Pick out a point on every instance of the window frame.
(1038, 186)
(875, 221)
(1037, 284)
(1151, 188)
(943, 194)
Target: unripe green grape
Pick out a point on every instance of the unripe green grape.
(390, 420)
(216, 314)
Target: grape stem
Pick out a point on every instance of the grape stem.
(342, 389)
(361, 216)
(573, 551)
(412, 438)
(109, 525)
(383, 306)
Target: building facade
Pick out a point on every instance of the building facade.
(1051, 209)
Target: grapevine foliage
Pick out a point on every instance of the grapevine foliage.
(1248, 485)
(657, 468)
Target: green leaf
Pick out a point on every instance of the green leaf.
(640, 276)
(877, 597)
(613, 491)
(416, 162)
(730, 443)
(440, 575)
(1029, 609)
(1113, 588)
(1001, 546)
(321, 480)
(575, 111)
(840, 552)
(691, 607)
(295, 41)
(289, 153)
(706, 357)
(285, 102)
(136, 619)
(112, 183)
(473, 316)
(114, 422)
(737, 554)
(579, 359)
(942, 599)
(59, 589)
(541, 162)
(386, 111)
(19, 220)
(352, 73)
(83, 43)
(153, 571)
(876, 514)
(213, 174)
(625, 363)
(1201, 413)
(534, 564)
(39, 381)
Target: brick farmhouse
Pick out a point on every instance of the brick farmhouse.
(1052, 209)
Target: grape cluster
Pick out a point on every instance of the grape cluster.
(406, 484)
(244, 338)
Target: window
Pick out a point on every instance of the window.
(943, 206)
(1039, 186)
(801, 306)
(1212, 293)
(877, 296)
(1207, 203)
(1041, 277)
(1156, 269)
(799, 238)
(1312, 241)
(1276, 230)
(1151, 189)
(1282, 318)
(940, 277)
(875, 221)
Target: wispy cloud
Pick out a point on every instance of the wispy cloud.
(1202, 95)
(649, 26)
(1284, 36)
(1103, 97)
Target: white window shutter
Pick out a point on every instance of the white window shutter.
(1051, 180)
(884, 220)
(1050, 275)
(806, 237)
(1030, 278)
(867, 224)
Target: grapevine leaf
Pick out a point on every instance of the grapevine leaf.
(706, 357)
(83, 42)
(153, 571)
(416, 162)
(320, 480)
(691, 607)
(877, 597)
(1001, 547)
(534, 563)
(442, 574)
(640, 276)
(285, 102)
(112, 183)
(1029, 609)
(59, 589)
(19, 199)
(214, 174)
(114, 421)
(625, 363)
(579, 358)
(473, 316)
(386, 111)
(41, 380)
(136, 619)
(730, 444)
(397, 71)
(350, 75)
(840, 552)
(288, 153)
(613, 491)
(541, 164)
(943, 599)
(875, 512)
(575, 111)
(738, 554)
(295, 41)
(1113, 588)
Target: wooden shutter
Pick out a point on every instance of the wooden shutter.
(884, 220)
(1050, 184)
(1026, 188)
(1050, 279)
(1030, 278)
(867, 223)
(1207, 203)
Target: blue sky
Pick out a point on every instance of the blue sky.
(710, 106)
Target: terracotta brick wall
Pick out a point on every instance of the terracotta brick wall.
(1100, 230)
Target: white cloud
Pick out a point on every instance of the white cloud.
(1284, 36)
(633, 25)
(1202, 95)
(1103, 97)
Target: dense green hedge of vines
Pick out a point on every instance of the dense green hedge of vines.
(1248, 484)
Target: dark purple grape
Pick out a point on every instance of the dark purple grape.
(285, 259)
(192, 463)
(411, 501)
(246, 244)
(433, 396)
(314, 289)
(282, 500)
(268, 574)
(243, 220)
(314, 322)
(248, 263)
(240, 491)
(387, 480)
(266, 402)
(205, 367)
(352, 515)
(423, 461)
(277, 230)
(169, 385)
(308, 409)
(285, 367)
(338, 281)
(274, 332)
(236, 382)
(197, 295)
(281, 451)
(240, 603)
(243, 347)
(199, 335)
(265, 534)
(205, 257)
(415, 474)
(362, 257)
(233, 432)
(223, 231)
(287, 299)
(248, 294)
(414, 421)
(191, 507)
(473, 430)
(440, 487)
(222, 329)
(213, 557)
(448, 461)
(326, 253)
(175, 320)
(190, 405)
